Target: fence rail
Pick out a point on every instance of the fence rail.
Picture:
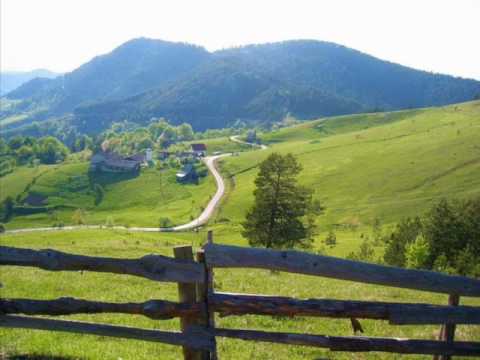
(198, 302)
(194, 337)
(154, 309)
(153, 267)
(396, 313)
(226, 256)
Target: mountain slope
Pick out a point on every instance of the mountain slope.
(10, 80)
(304, 78)
(387, 165)
(134, 67)
(262, 83)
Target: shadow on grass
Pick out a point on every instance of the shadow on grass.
(105, 178)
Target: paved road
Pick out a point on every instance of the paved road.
(210, 161)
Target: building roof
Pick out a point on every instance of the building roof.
(112, 159)
(137, 157)
(199, 147)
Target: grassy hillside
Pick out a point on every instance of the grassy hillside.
(39, 284)
(128, 200)
(385, 165)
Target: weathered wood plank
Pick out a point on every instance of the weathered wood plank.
(356, 343)
(447, 332)
(196, 338)
(153, 267)
(187, 293)
(154, 309)
(310, 264)
(396, 313)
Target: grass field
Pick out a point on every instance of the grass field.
(135, 201)
(385, 165)
(39, 284)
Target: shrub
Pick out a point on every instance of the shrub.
(331, 239)
(7, 208)
(365, 253)
(99, 193)
(165, 222)
(2, 228)
(404, 233)
(417, 253)
(78, 217)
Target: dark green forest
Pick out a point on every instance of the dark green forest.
(306, 79)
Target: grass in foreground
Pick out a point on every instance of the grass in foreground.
(39, 284)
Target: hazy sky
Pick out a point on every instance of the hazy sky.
(434, 35)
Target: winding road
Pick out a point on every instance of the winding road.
(210, 162)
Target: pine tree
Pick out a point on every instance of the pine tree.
(276, 219)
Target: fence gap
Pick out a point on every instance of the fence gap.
(187, 294)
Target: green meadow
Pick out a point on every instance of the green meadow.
(129, 200)
(382, 165)
(35, 283)
(362, 167)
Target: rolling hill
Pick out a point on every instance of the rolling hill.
(383, 165)
(306, 79)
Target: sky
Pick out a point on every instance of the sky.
(60, 35)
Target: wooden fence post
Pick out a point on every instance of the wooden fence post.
(187, 294)
(447, 331)
(203, 291)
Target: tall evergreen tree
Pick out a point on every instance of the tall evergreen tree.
(276, 219)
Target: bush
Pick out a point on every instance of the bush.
(365, 253)
(78, 217)
(404, 233)
(446, 239)
(7, 208)
(165, 222)
(2, 228)
(331, 239)
(99, 193)
(417, 253)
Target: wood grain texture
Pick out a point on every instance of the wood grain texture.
(304, 263)
(396, 313)
(196, 338)
(153, 267)
(154, 309)
(187, 294)
(356, 343)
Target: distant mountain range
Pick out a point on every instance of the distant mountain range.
(146, 78)
(10, 80)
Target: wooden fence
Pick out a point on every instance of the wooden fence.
(198, 302)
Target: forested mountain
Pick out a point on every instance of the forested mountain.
(150, 78)
(10, 80)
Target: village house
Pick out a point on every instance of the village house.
(109, 161)
(187, 174)
(199, 150)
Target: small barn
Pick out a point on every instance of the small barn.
(199, 150)
(188, 174)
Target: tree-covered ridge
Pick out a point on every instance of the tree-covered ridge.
(306, 79)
